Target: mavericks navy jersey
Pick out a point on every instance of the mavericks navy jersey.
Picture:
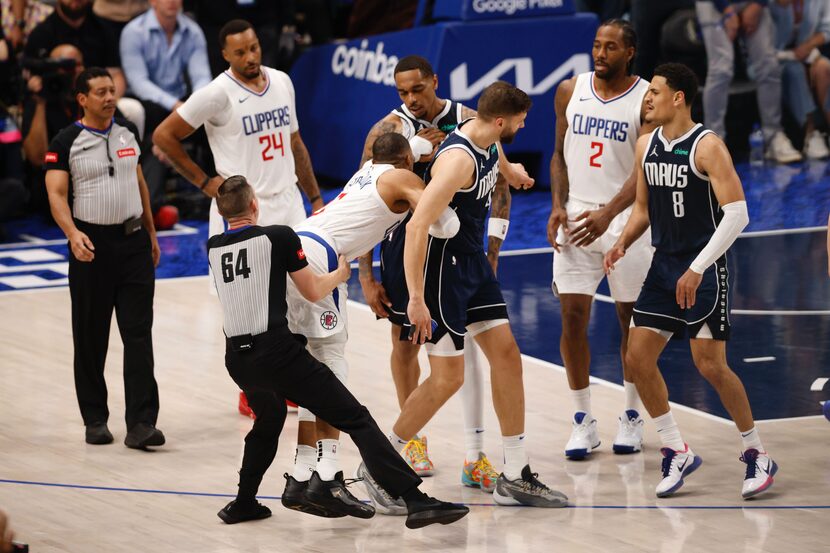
(471, 204)
(446, 121)
(682, 207)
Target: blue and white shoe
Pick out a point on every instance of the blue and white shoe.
(584, 437)
(629, 433)
(676, 466)
(759, 472)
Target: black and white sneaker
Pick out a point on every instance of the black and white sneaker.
(332, 496)
(293, 497)
(235, 512)
(527, 490)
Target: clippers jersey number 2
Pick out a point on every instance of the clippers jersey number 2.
(272, 142)
(596, 149)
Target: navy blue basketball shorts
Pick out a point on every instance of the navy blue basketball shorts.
(657, 307)
(392, 275)
(459, 289)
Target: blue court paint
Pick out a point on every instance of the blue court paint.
(471, 504)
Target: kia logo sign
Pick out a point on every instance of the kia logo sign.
(462, 89)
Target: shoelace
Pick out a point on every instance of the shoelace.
(376, 486)
(419, 453)
(532, 484)
(483, 465)
(750, 457)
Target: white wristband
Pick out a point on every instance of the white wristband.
(420, 146)
(497, 227)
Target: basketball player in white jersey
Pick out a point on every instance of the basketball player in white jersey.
(250, 117)
(372, 204)
(424, 120)
(599, 116)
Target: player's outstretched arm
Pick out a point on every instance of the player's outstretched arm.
(435, 199)
(558, 168)
(638, 222)
(314, 287)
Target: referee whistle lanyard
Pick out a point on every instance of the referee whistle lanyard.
(106, 137)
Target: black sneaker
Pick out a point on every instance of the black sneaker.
(143, 435)
(242, 512)
(293, 497)
(333, 497)
(428, 510)
(97, 433)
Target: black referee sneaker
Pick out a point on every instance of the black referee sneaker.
(249, 266)
(114, 252)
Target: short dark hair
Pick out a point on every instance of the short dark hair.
(82, 82)
(233, 27)
(629, 34)
(415, 62)
(234, 197)
(391, 148)
(502, 99)
(680, 78)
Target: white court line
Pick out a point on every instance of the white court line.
(758, 359)
(752, 234)
(818, 384)
(771, 312)
(177, 230)
(593, 379)
(789, 419)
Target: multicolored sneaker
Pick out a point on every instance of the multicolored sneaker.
(417, 457)
(479, 474)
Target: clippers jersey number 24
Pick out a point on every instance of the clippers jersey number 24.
(272, 142)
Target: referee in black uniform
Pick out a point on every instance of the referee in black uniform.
(249, 266)
(99, 199)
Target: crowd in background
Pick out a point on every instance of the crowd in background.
(160, 51)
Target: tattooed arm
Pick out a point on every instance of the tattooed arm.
(499, 209)
(305, 173)
(390, 123)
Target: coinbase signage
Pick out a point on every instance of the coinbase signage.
(468, 10)
(344, 89)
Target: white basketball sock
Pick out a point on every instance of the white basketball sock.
(305, 462)
(515, 456)
(472, 399)
(397, 442)
(473, 442)
(632, 398)
(582, 400)
(327, 465)
(752, 440)
(669, 432)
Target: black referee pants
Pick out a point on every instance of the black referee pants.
(122, 277)
(279, 368)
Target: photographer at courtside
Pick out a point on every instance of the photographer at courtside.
(48, 108)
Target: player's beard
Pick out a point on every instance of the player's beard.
(76, 14)
(507, 138)
(251, 72)
(611, 72)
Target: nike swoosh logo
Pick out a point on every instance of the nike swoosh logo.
(241, 100)
(581, 99)
(680, 467)
(87, 148)
(747, 434)
(479, 431)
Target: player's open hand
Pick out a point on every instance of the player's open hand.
(558, 218)
(211, 189)
(344, 269)
(612, 256)
(81, 246)
(687, 288)
(594, 224)
(435, 137)
(376, 297)
(419, 317)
